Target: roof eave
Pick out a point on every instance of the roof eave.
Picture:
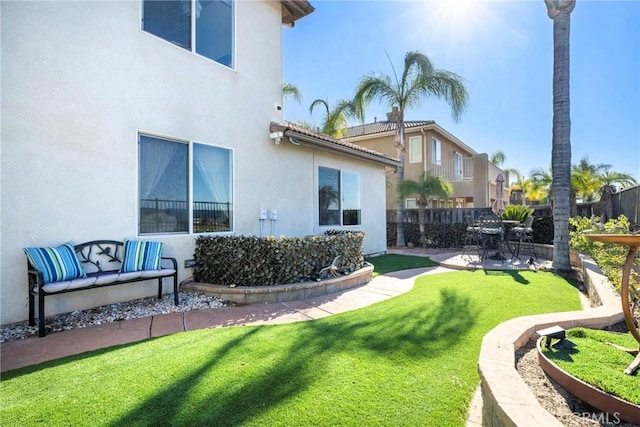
(292, 10)
(320, 144)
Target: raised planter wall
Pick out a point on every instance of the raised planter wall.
(506, 398)
(282, 293)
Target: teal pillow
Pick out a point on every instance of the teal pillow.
(141, 255)
(56, 264)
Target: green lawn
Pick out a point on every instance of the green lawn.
(599, 364)
(393, 262)
(406, 361)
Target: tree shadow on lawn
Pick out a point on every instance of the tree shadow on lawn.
(515, 274)
(408, 331)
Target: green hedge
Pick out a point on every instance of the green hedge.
(438, 235)
(543, 230)
(452, 235)
(265, 261)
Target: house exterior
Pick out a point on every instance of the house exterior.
(433, 150)
(155, 121)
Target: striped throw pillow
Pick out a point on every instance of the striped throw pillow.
(56, 264)
(140, 255)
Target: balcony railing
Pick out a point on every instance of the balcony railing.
(460, 169)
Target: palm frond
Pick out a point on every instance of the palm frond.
(289, 90)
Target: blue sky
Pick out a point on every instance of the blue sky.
(504, 52)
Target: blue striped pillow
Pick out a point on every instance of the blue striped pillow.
(140, 255)
(56, 264)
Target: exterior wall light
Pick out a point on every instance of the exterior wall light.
(277, 136)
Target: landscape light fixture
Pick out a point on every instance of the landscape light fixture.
(555, 333)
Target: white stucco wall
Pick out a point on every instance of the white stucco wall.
(80, 80)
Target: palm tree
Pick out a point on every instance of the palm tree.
(335, 120)
(289, 90)
(498, 158)
(585, 179)
(424, 189)
(560, 12)
(615, 179)
(419, 80)
(532, 189)
(542, 180)
(609, 182)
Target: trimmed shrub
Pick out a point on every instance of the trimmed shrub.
(438, 235)
(265, 261)
(543, 230)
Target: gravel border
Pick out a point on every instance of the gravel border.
(143, 307)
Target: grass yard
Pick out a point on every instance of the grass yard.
(393, 262)
(406, 361)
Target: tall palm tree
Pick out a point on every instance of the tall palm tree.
(335, 120)
(425, 189)
(560, 12)
(419, 80)
(289, 90)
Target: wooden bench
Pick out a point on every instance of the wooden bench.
(101, 261)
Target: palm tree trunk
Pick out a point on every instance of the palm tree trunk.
(560, 11)
(399, 143)
(421, 218)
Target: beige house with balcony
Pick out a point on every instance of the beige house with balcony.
(432, 149)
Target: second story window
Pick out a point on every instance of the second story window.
(415, 149)
(201, 26)
(436, 151)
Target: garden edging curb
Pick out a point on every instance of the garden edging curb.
(506, 398)
(245, 295)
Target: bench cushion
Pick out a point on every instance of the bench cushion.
(141, 255)
(104, 279)
(56, 264)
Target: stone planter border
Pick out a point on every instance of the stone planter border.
(245, 295)
(506, 398)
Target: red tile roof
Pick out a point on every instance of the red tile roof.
(381, 127)
(292, 10)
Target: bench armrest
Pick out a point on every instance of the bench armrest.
(173, 262)
(35, 278)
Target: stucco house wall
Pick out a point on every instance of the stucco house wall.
(81, 80)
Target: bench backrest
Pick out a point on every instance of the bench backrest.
(100, 256)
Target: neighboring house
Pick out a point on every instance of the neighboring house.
(158, 120)
(432, 149)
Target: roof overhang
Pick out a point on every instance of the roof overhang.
(292, 10)
(319, 142)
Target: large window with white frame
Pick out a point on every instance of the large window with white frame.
(202, 26)
(415, 149)
(168, 180)
(339, 197)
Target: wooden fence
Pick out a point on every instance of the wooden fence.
(625, 202)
